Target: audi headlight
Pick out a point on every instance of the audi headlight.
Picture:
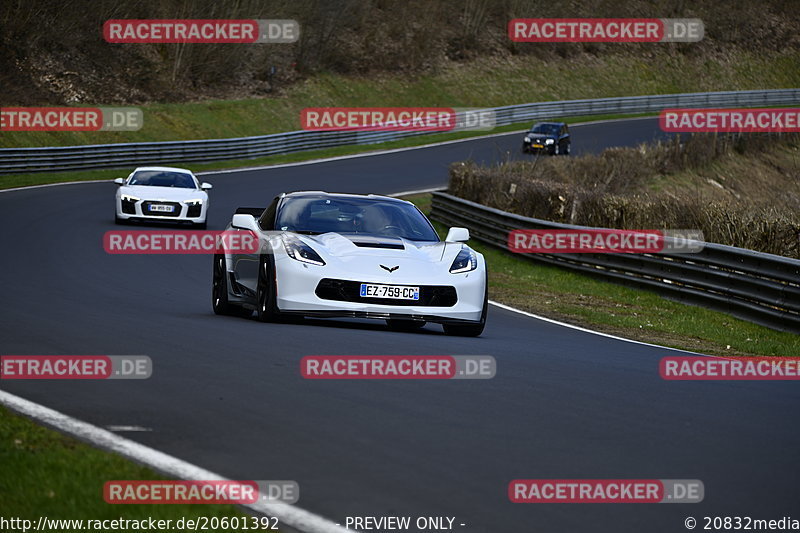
(527, 139)
(129, 198)
(300, 251)
(549, 141)
(465, 261)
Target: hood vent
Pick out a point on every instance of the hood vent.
(380, 244)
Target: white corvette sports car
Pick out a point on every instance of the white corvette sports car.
(346, 255)
(164, 194)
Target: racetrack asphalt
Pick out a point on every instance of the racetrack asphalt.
(226, 393)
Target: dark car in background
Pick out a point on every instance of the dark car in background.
(550, 137)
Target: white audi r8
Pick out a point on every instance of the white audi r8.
(164, 194)
(347, 255)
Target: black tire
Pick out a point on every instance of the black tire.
(219, 291)
(200, 225)
(120, 221)
(266, 297)
(557, 150)
(568, 148)
(471, 330)
(400, 324)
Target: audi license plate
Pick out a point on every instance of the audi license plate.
(162, 208)
(395, 292)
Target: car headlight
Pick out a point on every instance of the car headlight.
(129, 198)
(300, 251)
(196, 201)
(465, 261)
(549, 141)
(527, 139)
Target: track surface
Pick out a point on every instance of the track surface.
(226, 393)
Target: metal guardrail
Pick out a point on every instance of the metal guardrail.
(48, 159)
(758, 287)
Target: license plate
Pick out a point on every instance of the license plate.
(162, 208)
(395, 292)
(538, 146)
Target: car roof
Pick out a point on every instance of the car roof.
(550, 123)
(324, 194)
(168, 169)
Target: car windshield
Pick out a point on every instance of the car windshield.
(547, 129)
(161, 178)
(355, 216)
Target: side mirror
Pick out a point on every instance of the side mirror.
(206, 186)
(119, 181)
(457, 235)
(247, 222)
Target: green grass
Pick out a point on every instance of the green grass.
(46, 473)
(484, 82)
(9, 181)
(631, 313)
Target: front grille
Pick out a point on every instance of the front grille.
(349, 291)
(128, 207)
(176, 211)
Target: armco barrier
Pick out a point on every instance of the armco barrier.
(49, 159)
(758, 287)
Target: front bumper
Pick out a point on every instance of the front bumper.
(537, 148)
(140, 210)
(317, 291)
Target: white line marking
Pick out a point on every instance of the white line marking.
(586, 330)
(120, 429)
(290, 515)
(419, 191)
(109, 180)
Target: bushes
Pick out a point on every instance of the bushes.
(42, 42)
(659, 186)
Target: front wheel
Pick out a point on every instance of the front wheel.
(567, 149)
(266, 297)
(471, 330)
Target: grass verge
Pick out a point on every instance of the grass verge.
(482, 82)
(10, 181)
(618, 310)
(46, 473)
